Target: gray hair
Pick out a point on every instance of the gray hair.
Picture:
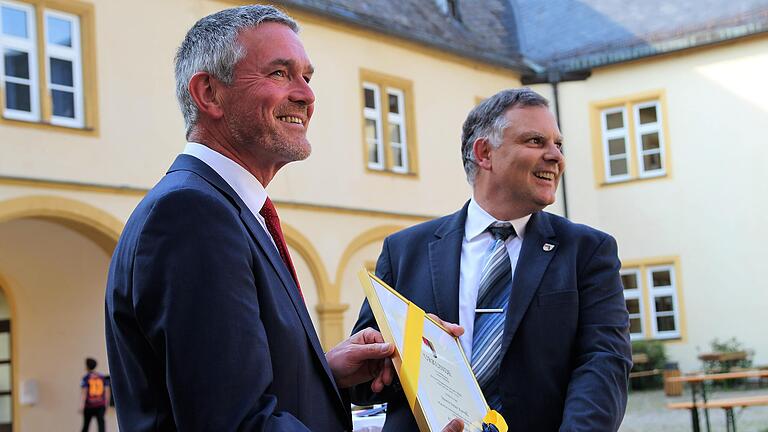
(211, 46)
(488, 120)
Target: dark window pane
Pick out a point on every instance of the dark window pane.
(618, 167)
(666, 323)
(16, 64)
(635, 325)
(370, 99)
(664, 304)
(614, 120)
(652, 162)
(59, 32)
(63, 103)
(650, 141)
(394, 106)
(17, 97)
(662, 278)
(616, 146)
(629, 281)
(61, 72)
(14, 22)
(633, 306)
(648, 115)
(397, 156)
(373, 153)
(395, 133)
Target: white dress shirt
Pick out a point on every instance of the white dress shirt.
(245, 185)
(475, 249)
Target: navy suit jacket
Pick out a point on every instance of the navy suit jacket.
(206, 329)
(565, 356)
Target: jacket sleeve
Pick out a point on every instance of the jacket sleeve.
(196, 302)
(597, 392)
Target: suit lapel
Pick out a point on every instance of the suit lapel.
(445, 263)
(191, 163)
(530, 268)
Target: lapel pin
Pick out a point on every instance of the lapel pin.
(548, 247)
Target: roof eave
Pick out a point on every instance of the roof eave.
(513, 64)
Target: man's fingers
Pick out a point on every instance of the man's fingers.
(454, 329)
(372, 351)
(455, 425)
(367, 336)
(384, 376)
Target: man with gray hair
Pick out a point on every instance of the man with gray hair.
(539, 297)
(206, 325)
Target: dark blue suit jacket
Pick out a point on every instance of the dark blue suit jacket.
(565, 351)
(206, 330)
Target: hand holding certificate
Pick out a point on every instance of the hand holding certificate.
(434, 372)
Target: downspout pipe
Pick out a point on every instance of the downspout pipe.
(554, 77)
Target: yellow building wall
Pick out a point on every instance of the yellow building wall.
(54, 279)
(335, 211)
(708, 211)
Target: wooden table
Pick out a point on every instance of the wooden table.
(698, 380)
(727, 404)
(723, 356)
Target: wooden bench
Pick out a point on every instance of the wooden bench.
(727, 404)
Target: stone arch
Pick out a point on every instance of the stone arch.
(372, 235)
(95, 224)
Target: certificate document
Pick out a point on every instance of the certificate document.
(431, 365)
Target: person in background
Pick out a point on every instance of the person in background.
(95, 395)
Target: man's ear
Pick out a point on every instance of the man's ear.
(203, 89)
(481, 150)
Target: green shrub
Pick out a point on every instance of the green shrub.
(657, 359)
(727, 346)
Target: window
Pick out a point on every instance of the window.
(632, 141)
(665, 322)
(388, 138)
(42, 73)
(652, 297)
(633, 296)
(449, 7)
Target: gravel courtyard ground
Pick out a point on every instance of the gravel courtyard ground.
(647, 412)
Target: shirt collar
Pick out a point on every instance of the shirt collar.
(238, 178)
(479, 219)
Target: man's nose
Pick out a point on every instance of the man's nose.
(554, 153)
(302, 93)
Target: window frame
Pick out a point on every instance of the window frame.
(398, 119)
(631, 106)
(28, 46)
(635, 294)
(642, 129)
(405, 119)
(72, 54)
(608, 135)
(649, 293)
(373, 114)
(664, 291)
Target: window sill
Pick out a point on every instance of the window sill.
(48, 126)
(634, 180)
(390, 173)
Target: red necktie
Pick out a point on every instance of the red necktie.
(269, 213)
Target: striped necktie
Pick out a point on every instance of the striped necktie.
(493, 294)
